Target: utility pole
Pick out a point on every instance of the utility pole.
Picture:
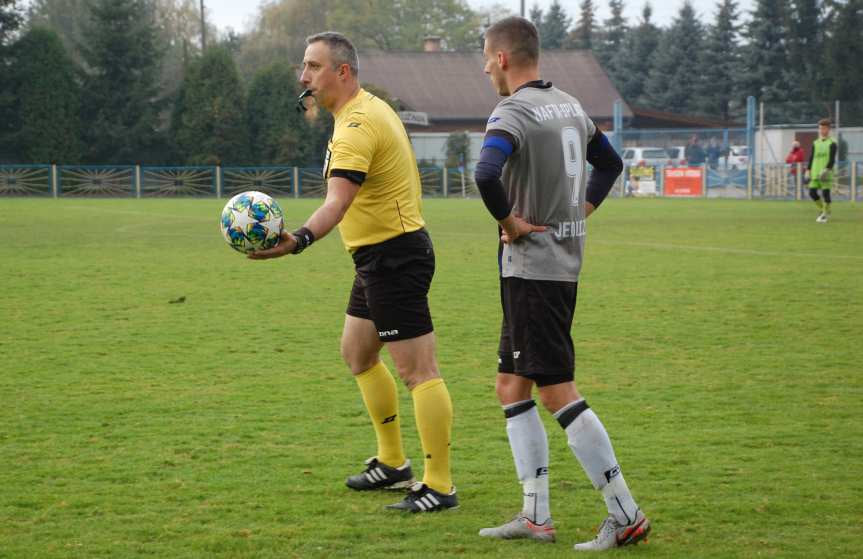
(522, 8)
(203, 29)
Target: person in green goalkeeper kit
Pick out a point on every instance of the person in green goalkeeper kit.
(820, 169)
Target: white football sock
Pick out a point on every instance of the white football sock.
(589, 442)
(529, 445)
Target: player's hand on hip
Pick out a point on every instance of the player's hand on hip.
(515, 228)
(287, 244)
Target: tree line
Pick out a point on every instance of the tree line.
(128, 83)
(125, 81)
(795, 55)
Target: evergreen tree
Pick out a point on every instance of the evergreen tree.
(806, 48)
(720, 62)
(634, 61)
(47, 92)
(555, 23)
(535, 16)
(67, 18)
(276, 130)
(582, 36)
(212, 126)
(804, 75)
(178, 24)
(612, 36)
(10, 20)
(121, 95)
(673, 81)
(178, 109)
(843, 60)
(314, 147)
(765, 61)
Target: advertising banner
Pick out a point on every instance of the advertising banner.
(684, 181)
(642, 181)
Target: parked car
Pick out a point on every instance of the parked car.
(738, 157)
(645, 156)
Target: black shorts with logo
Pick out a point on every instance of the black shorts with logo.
(534, 336)
(392, 284)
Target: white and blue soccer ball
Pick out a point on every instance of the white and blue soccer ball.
(252, 221)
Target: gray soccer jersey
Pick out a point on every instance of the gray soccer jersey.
(545, 180)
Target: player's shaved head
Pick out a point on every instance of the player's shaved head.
(518, 37)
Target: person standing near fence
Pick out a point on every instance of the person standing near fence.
(532, 176)
(822, 159)
(374, 196)
(794, 158)
(694, 153)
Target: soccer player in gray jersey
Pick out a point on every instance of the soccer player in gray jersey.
(538, 140)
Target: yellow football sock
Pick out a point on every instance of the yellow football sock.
(382, 402)
(433, 411)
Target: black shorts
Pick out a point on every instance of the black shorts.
(392, 284)
(535, 342)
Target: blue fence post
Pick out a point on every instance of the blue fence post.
(750, 127)
(750, 143)
(618, 125)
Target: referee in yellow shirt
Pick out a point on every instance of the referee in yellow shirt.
(374, 196)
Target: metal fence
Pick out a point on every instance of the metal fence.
(768, 181)
(145, 181)
(758, 181)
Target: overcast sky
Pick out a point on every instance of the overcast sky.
(240, 15)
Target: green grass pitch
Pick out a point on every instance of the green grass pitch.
(720, 341)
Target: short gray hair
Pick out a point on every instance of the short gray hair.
(341, 49)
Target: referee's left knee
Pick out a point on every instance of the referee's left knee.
(415, 359)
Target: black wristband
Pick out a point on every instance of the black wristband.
(304, 239)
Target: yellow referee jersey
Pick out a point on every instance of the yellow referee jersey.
(369, 137)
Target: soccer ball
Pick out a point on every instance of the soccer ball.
(252, 221)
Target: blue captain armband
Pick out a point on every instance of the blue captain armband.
(496, 148)
(500, 141)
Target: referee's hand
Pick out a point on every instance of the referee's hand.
(514, 227)
(287, 244)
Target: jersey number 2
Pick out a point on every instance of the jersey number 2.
(572, 159)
